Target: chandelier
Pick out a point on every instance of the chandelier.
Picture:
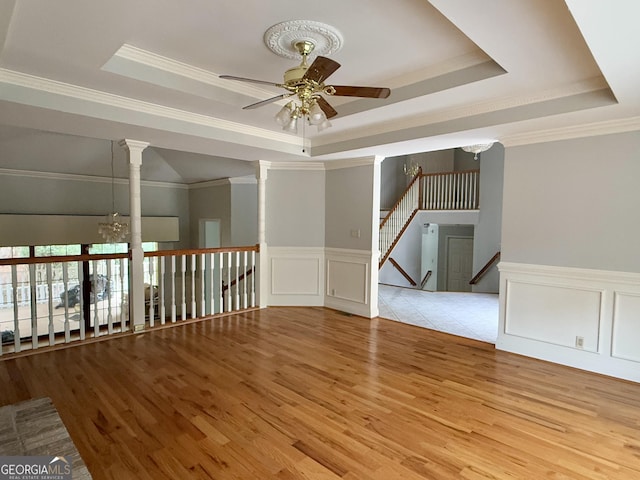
(478, 148)
(111, 229)
(411, 169)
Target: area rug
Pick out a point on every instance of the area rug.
(34, 428)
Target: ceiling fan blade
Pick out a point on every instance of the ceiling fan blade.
(267, 101)
(250, 80)
(368, 92)
(320, 69)
(328, 110)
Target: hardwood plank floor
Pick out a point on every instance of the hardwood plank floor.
(309, 393)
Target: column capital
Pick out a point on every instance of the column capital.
(133, 145)
(262, 167)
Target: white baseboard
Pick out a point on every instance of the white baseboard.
(588, 319)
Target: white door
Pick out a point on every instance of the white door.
(459, 263)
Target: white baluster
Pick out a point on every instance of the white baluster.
(33, 301)
(194, 311)
(121, 289)
(237, 282)
(253, 279)
(173, 288)
(228, 276)
(152, 308)
(244, 280)
(108, 286)
(161, 301)
(65, 281)
(203, 272)
(52, 334)
(94, 289)
(212, 285)
(183, 298)
(16, 323)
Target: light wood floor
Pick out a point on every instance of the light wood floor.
(288, 393)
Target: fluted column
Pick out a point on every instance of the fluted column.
(136, 276)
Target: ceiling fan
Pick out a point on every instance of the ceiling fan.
(306, 82)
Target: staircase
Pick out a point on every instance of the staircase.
(433, 191)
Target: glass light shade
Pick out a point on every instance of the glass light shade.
(283, 117)
(292, 126)
(316, 115)
(324, 125)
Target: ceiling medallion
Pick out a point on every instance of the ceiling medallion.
(282, 37)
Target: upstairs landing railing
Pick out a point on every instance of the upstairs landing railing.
(431, 191)
(52, 301)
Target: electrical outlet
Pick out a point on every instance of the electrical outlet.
(579, 342)
(333, 292)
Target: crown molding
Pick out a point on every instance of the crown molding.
(479, 108)
(89, 95)
(353, 162)
(166, 64)
(296, 166)
(574, 131)
(460, 62)
(86, 178)
(246, 180)
(221, 182)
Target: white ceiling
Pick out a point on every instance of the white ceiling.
(75, 74)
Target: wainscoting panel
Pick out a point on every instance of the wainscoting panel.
(588, 319)
(296, 276)
(554, 313)
(626, 326)
(349, 281)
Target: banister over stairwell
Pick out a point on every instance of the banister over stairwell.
(432, 191)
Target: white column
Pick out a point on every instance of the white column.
(136, 269)
(375, 234)
(263, 262)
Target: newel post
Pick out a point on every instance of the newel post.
(136, 267)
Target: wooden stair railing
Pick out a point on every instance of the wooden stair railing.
(233, 283)
(426, 278)
(395, 223)
(401, 270)
(484, 269)
(431, 191)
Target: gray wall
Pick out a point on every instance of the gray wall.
(392, 181)
(348, 207)
(209, 203)
(49, 195)
(488, 231)
(574, 203)
(295, 208)
(244, 214)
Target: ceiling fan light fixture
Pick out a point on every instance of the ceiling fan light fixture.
(292, 126)
(283, 117)
(324, 125)
(316, 115)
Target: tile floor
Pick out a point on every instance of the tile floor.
(471, 315)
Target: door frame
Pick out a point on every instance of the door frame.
(446, 256)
